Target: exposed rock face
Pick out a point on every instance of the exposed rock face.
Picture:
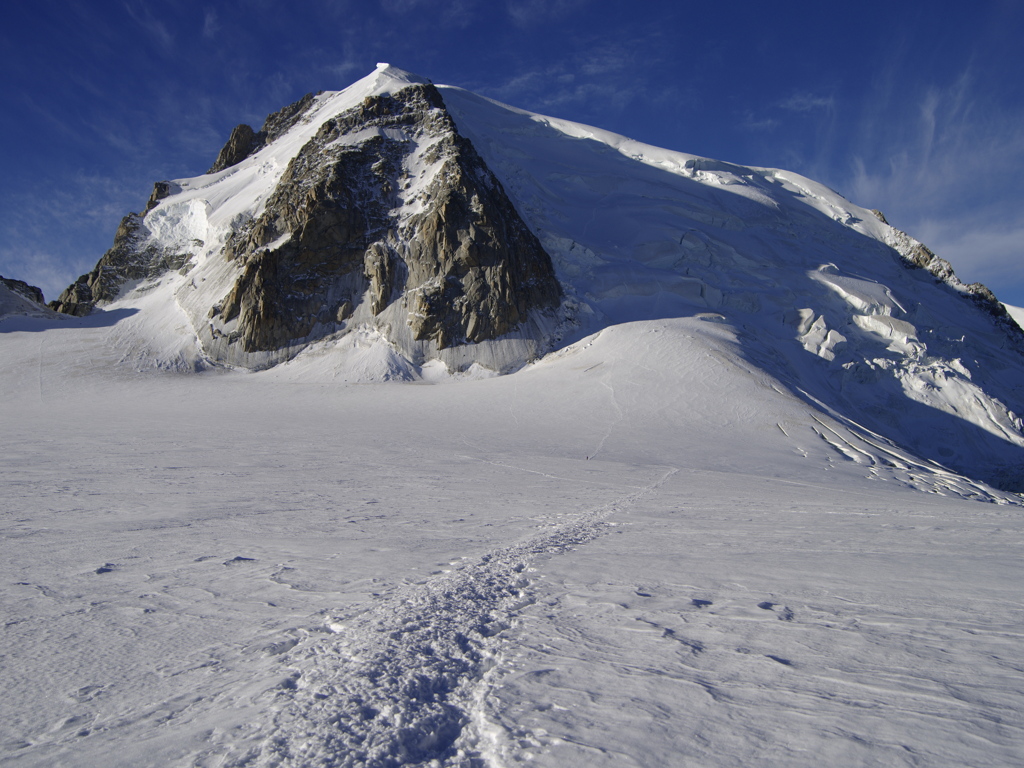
(244, 141)
(22, 288)
(327, 211)
(921, 256)
(918, 255)
(241, 144)
(337, 228)
(128, 259)
(385, 216)
(161, 190)
(475, 267)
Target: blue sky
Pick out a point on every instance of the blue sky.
(913, 108)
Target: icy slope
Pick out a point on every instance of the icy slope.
(17, 298)
(823, 293)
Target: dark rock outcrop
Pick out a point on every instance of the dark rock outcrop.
(127, 260)
(241, 144)
(22, 288)
(161, 190)
(244, 141)
(466, 264)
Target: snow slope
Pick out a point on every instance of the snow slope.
(811, 281)
(13, 303)
(717, 526)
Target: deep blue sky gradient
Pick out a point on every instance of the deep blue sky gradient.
(913, 108)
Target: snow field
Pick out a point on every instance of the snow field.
(639, 550)
(773, 623)
(398, 687)
(805, 277)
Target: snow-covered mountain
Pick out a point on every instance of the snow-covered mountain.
(748, 493)
(359, 210)
(395, 225)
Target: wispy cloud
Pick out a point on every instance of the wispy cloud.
(527, 13)
(807, 102)
(211, 24)
(154, 27)
(749, 122)
(43, 269)
(593, 78)
(946, 170)
(799, 107)
(552, 89)
(607, 59)
(948, 146)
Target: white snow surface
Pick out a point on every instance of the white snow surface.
(640, 550)
(716, 526)
(1017, 313)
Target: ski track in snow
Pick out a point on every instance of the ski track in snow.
(404, 683)
(612, 424)
(549, 476)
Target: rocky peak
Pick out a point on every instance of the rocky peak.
(241, 144)
(244, 141)
(386, 216)
(23, 289)
(342, 233)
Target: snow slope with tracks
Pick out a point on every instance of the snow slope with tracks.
(638, 550)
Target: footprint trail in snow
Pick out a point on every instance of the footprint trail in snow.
(402, 683)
